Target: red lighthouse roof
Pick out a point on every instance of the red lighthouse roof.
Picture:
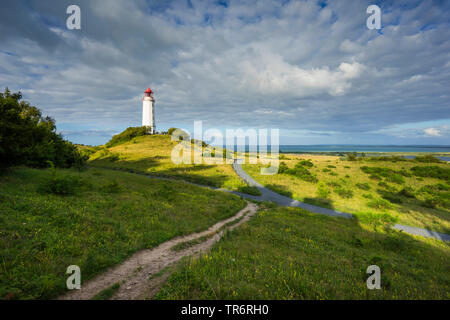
(148, 90)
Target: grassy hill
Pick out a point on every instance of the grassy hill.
(93, 219)
(152, 154)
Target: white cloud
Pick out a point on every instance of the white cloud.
(218, 64)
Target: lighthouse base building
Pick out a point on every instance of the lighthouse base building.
(148, 111)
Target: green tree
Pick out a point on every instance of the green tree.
(28, 138)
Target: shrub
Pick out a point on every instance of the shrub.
(427, 159)
(389, 174)
(322, 190)
(363, 186)
(379, 204)
(351, 157)
(326, 170)
(306, 163)
(127, 135)
(249, 190)
(283, 167)
(28, 138)
(390, 196)
(407, 192)
(331, 166)
(301, 172)
(431, 172)
(387, 158)
(344, 193)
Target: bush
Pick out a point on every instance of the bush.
(305, 163)
(344, 193)
(387, 158)
(390, 196)
(249, 190)
(427, 159)
(28, 138)
(302, 173)
(363, 186)
(283, 167)
(379, 204)
(431, 172)
(127, 135)
(407, 192)
(323, 191)
(351, 157)
(326, 170)
(389, 174)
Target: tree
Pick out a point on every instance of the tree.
(28, 138)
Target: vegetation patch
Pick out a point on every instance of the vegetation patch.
(43, 233)
(363, 186)
(127, 135)
(387, 173)
(288, 253)
(432, 172)
(252, 190)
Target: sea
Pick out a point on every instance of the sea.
(368, 149)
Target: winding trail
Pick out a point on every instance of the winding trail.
(134, 274)
(281, 200)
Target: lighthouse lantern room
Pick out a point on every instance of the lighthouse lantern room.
(148, 111)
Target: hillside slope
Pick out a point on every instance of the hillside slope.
(152, 154)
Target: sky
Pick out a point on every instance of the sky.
(309, 68)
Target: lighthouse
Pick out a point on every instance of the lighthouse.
(148, 111)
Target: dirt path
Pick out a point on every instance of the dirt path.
(134, 273)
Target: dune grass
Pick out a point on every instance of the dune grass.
(369, 187)
(289, 253)
(152, 154)
(93, 219)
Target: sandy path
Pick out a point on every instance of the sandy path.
(133, 274)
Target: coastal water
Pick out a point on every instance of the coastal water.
(362, 148)
(368, 149)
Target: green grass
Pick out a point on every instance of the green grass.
(152, 154)
(288, 253)
(107, 293)
(106, 216)
(392, 185)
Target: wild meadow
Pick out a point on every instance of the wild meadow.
(289, 253)
(94, 218)
(410, 192)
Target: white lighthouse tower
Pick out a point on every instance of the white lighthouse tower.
(148, 111)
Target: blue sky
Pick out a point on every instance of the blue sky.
(310, 68)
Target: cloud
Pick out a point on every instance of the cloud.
(292, 65)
